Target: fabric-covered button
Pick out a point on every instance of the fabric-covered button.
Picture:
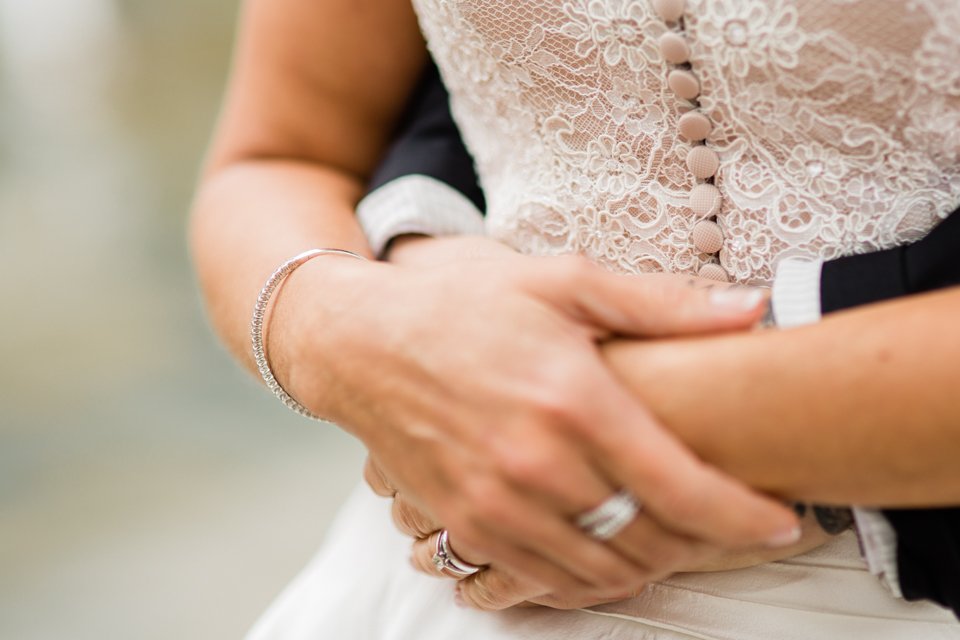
(707, 236)
(705, 200)
(714, 272)
(669, 10)
(703, 162)
(684, 84)
(694, 126)
(674, 48)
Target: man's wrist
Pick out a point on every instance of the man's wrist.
(426, 251)
(401, 243)
(416, 204)
(796, 301)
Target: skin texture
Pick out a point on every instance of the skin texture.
(471, 381)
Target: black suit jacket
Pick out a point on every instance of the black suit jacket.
(928, 541)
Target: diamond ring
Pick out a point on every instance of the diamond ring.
(611, 516)
(446, 559)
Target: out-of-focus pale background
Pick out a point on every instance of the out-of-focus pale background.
(148, 488)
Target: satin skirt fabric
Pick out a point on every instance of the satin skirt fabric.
(361, 586)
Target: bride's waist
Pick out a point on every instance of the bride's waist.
(820, 589)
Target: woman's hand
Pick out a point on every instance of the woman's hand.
(497, 588)
(479, 388)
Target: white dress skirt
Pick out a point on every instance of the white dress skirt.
(361, 586)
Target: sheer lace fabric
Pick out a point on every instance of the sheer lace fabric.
(837, 123)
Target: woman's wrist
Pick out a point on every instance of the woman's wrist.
(305, 327)
(274, 282)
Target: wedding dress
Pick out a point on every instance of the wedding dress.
(718, 137)
(835, 124)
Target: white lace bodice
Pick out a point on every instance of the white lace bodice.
(836, 124)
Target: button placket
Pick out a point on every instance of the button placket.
(670, 10)
(694, 126)
(705, 199)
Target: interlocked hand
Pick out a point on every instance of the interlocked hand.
(492, 411)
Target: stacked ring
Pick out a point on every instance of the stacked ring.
(611, 516)
(446, 559)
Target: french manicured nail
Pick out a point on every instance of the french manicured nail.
(736, 299)
(458, 598)
(786, 538)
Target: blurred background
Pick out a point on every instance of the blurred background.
(148, 487)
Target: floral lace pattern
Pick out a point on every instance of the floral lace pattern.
(837, 123)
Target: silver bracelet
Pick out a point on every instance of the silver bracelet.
(256, 325)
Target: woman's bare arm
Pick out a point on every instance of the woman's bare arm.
(315, 90)
(862, 408)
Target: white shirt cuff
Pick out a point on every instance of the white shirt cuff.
(416, 204)
(878, 539)
(796, 293)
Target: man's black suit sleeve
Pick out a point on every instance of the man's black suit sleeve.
(932, 263)
(428, 142)
(928, 554)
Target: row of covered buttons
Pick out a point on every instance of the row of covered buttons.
(703, 162)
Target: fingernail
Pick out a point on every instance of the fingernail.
(458, 598)
(786, 538)
(736, 299)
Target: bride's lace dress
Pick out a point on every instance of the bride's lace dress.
(836, 124)
(819, 128)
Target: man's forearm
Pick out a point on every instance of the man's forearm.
(860, 409)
